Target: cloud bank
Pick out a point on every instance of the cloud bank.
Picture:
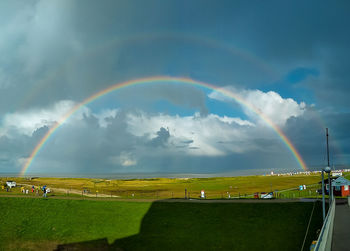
(289, 60)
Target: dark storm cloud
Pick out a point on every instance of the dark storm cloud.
(332, 87)
(16, 148)
(85, 46)
(180, 95)
(300, 74)
(162, 138)
(308, 134)
(59, 50)
(243, 163)
(86, 147)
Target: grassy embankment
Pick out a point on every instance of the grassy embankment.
(42, 224)
(174, 188)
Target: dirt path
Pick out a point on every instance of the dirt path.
(75, 191)
(236, 200)
(161, 200)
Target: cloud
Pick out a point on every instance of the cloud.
(54, 54)
(177, 94)
(271, 104)
(162, 138)
(203, 135)
(125, 159)
(29, 121)
(105, 116)
(124, 138)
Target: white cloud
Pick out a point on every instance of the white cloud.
(196, 135)
(127, 139)
(27, 122)
(125, 159)
(104, 116)
(21, 161)
(271, 104)
(231, 120)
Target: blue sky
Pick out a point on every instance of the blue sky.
(288, 60)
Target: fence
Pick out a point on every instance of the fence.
(324, 241)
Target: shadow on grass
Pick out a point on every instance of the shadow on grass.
(217, 226)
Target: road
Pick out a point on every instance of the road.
(341, 231)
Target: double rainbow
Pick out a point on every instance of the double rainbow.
(159, 79)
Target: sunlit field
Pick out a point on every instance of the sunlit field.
(215, 188)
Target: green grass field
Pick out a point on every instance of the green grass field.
(42, 224)
(161, 188)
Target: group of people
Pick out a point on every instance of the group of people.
(7, 188)
(44, 189)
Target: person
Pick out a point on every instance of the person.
(33, 189)
(44, 192)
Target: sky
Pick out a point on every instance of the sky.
(288, 60)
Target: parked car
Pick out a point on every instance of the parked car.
(11, 183)
(266, 195)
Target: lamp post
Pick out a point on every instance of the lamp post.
(323, 201)
(328, 170)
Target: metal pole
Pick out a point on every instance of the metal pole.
(327, 146)
(323, 200)
(330, 190)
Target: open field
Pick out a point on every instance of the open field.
(161, 188)
(42, 224)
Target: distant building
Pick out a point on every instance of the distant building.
(337, 173)
(340, 186)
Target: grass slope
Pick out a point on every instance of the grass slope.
(168, 188)
(34, 224)
(63, 221)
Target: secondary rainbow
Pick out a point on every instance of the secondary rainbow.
(159, 79)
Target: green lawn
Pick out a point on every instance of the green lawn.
(42, 224)
(63, 221)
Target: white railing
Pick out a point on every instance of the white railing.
(324, 241)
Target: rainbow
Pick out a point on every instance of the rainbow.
(159, 79)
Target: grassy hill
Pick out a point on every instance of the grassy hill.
(160, 188)
(42, 224)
